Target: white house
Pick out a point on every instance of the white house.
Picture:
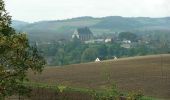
(97, 60)
(115, 57)
(108, 40)
(127, 41)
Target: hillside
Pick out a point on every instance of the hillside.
(64, 28)
(149, 74)
(18, 25)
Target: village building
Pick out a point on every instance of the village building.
(83, 34)
(95, 41)
(108, 40)
(126, 44)
(127, 41)
(97, 60)
(115, 58)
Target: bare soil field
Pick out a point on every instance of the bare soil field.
(149, 74)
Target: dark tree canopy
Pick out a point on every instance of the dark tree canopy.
(16, 57)
(89, 54)
(5, 21)
(128, 36)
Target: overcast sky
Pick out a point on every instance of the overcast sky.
(36, 10)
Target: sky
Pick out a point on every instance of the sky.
(37, 10)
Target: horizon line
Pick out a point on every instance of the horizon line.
(62, 19)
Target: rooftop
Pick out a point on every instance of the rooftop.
(84, 30)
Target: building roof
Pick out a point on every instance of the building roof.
(84, 30)
(97, 60)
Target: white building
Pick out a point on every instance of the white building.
(97, 60)
(84, 34)
(115, 57)
(108, 40)
(127, 41)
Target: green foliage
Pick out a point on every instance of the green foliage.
(135, 96)
(77, 52)
(110, 93)
(16, 58)
(89, 54)
(5, 21)
(127, 36)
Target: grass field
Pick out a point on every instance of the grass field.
(149, 74)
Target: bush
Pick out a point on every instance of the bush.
(109, 94)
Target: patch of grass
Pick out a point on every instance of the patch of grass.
(110, 93)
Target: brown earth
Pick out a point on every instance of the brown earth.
(149, 74)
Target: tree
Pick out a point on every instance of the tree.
(5, 21)
(90, 54)
(16, 57)
(102, 50)
(128, 36)
(59, 60)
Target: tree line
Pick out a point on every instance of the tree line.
(74, 52)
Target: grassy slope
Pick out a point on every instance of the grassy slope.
(136, 73)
